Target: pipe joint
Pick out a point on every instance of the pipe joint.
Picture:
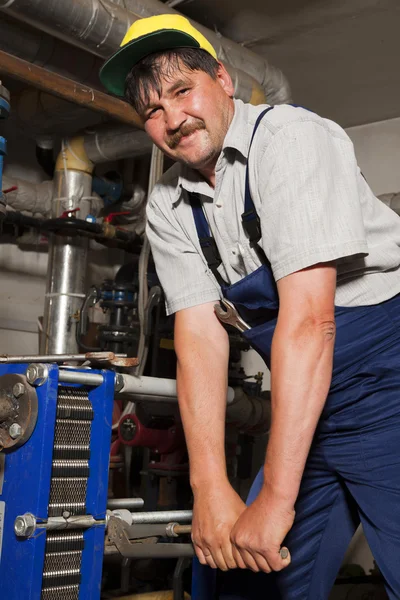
(73, 156)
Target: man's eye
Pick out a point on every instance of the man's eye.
(182, 91)
(152, 113)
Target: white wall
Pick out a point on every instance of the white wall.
(21, 295)
(21, 301)
(377, 147)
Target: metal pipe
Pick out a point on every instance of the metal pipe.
(99, 27)
(177, 529)
(112, 142)
(66, 272)
(129, 503)
(67, 89)
(78, 522)
(162, 516)
(69, 376)
(153, 386)
(142, 530)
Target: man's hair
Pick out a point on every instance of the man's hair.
(146, 76)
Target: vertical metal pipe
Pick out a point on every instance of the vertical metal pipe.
(66, 273)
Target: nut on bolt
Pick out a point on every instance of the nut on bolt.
(119, 382)
(37, 374)
(25, 525)
(18, 390)
(15, 431)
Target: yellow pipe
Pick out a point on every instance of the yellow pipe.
(73, 156)
(257, 95)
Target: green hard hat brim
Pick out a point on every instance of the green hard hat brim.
(114, 72)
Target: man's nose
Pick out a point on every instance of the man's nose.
(174, 118)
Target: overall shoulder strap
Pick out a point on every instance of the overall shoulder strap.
(250, 219)
(207, 242)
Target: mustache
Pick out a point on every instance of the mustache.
(185, 129)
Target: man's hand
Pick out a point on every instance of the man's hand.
(258, 535)
(216, 509)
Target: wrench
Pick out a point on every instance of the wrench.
(230, 315)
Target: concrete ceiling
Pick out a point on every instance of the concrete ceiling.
(341, 56)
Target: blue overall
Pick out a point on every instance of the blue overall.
(352, 473)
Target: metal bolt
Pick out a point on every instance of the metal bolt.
(18, 390)
(37, 374)
(25, 525)
(15, 430)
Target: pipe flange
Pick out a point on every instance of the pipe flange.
(18, 410)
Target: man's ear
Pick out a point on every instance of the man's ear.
(225, 80)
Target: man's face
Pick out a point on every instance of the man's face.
(190, 119)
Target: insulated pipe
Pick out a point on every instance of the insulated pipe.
(67, 266)
(32, 197)
(49, 52)
(99, 27)
(111, 142)
(153, 386)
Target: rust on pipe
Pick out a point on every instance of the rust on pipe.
(65, 88)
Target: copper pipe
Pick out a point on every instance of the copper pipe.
(68, 89)
(182, 529)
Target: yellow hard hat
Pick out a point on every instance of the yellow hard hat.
(145, 36)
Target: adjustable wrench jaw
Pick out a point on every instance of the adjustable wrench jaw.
(230, 316)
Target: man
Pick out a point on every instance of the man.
(267, 207)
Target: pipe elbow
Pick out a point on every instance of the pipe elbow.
(276, 86)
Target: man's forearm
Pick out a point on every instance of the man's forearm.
(202, 386)
(301, 372)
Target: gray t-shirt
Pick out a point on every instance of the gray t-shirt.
(314, 205)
